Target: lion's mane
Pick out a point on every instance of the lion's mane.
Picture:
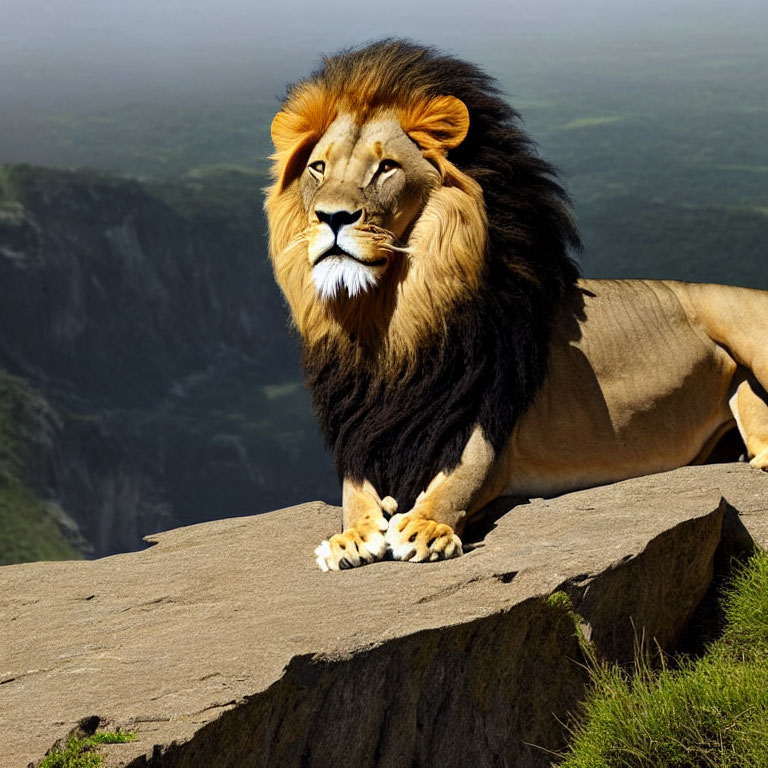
(399, 421)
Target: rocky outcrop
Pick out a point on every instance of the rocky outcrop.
(224, 645)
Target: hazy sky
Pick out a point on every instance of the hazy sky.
(58, 53)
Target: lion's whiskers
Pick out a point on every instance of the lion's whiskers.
(383, 239)
(397, 248)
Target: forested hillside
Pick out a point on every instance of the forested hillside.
(150, 379)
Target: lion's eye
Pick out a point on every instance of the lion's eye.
(385, 166)
(318, 167)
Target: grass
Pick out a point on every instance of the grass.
(27, 532)
(710, 712)
(81, 753)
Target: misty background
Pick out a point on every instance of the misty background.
(147, 375)
(81, 52)
(60, 56)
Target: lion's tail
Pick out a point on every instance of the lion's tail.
(735, 318)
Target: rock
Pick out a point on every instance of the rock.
(223, 644)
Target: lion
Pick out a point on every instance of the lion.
(452, 352)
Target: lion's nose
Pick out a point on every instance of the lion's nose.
(337, 219)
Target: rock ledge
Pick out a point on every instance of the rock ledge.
(223, 645)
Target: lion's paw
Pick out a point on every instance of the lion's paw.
(760, 461)
(353, 547)
(416, 539)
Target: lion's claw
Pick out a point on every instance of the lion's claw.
(353, 547)
(418, 539)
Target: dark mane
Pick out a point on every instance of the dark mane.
(399, 431)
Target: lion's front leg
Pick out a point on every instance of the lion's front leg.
(430, 530)
(362, 540)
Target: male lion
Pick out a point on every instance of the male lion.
(451, 352)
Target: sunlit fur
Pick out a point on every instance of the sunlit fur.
(455, 331)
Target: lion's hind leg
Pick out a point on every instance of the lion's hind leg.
(737, 320)
(749, 405)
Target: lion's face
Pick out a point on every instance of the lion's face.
(362, 189)
(374, 232)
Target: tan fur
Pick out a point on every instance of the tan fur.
(640, 378)
(430, 530)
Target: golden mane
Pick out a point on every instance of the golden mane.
(455, 334)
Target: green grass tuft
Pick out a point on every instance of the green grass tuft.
(80, 753)
(560, 600)
(746, 612)
(27, 532)
(710, 713)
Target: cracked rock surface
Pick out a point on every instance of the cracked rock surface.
(224, 645)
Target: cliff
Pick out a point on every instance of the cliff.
(144, 320)
(222, 644)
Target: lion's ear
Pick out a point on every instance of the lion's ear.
(287, 130)
(439, 124)
(296, 131)
(293, 138)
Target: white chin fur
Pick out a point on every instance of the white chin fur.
(335, 273)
